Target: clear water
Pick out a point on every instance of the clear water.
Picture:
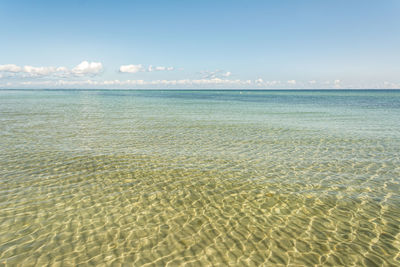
(200, 178)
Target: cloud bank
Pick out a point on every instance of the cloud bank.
(84, 68)
(182, 82)
(86, 75)
(214, 83)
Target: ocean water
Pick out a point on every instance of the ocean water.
(199, 178)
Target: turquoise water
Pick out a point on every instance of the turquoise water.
(201, 178)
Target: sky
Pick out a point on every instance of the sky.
(176, 44)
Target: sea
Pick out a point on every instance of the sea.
(199, 178)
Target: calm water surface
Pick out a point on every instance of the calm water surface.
(200, 178)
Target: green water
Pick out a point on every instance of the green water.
(200, 178)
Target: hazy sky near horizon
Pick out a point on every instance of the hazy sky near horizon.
(200, 44)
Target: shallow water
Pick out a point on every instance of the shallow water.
(201, 178)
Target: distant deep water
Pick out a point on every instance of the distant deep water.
(240, 178)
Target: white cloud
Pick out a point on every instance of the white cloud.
(273, 83)
(336, 84)
(86, 67)
(131, 68)
(292, 82)
(259, 81)
(215, 74)
(209, 74)
(141, 68)
(160, 68)
(267, 84)
(39, 71)
(10, 68)
(391, 85)
(83, 68)
(312, 82)
(62, 69)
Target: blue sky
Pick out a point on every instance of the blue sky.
(200, 44)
